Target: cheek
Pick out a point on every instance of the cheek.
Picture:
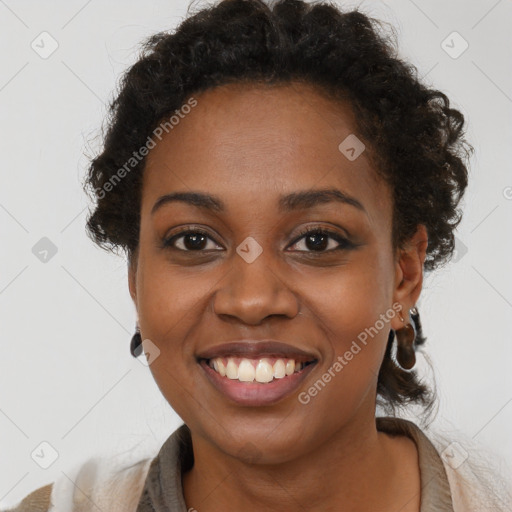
(171, 302)
(351, 298)
(353, 309)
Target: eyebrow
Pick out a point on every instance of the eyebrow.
(295, 201)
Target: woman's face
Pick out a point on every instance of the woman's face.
(252, 274)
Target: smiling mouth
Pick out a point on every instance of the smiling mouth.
(261, 370)
(256, 373)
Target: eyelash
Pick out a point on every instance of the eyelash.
(344, 243)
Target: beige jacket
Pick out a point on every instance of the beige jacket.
(448, 479)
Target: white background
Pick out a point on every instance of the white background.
(66, 374)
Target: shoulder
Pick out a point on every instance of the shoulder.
(461, 468)
(477, 484)
(98, 484)
(36, 501)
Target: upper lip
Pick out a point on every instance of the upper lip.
(253, 349)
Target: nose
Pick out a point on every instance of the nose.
(251, 292)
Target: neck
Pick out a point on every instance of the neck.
(361, 468)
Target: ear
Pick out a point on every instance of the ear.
(132, 278)
(409, 273)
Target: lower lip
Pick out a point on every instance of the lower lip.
(256, 393)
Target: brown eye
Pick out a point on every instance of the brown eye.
(191, 241)
(322, 240)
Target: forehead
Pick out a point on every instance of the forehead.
(241, 140)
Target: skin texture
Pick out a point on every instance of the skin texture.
(249, 145)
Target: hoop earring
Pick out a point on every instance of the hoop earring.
(405, 346)
(136, 344)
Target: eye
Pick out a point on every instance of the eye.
(322, 240)
(316, 240)
(191, 240)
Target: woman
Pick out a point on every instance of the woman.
(280, 181)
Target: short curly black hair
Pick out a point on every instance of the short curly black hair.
(414, 139)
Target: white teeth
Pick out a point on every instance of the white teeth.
(231, 369)
(255, 371)
(279, 369)
(264, 371)
(222, 368)
(246, 371)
